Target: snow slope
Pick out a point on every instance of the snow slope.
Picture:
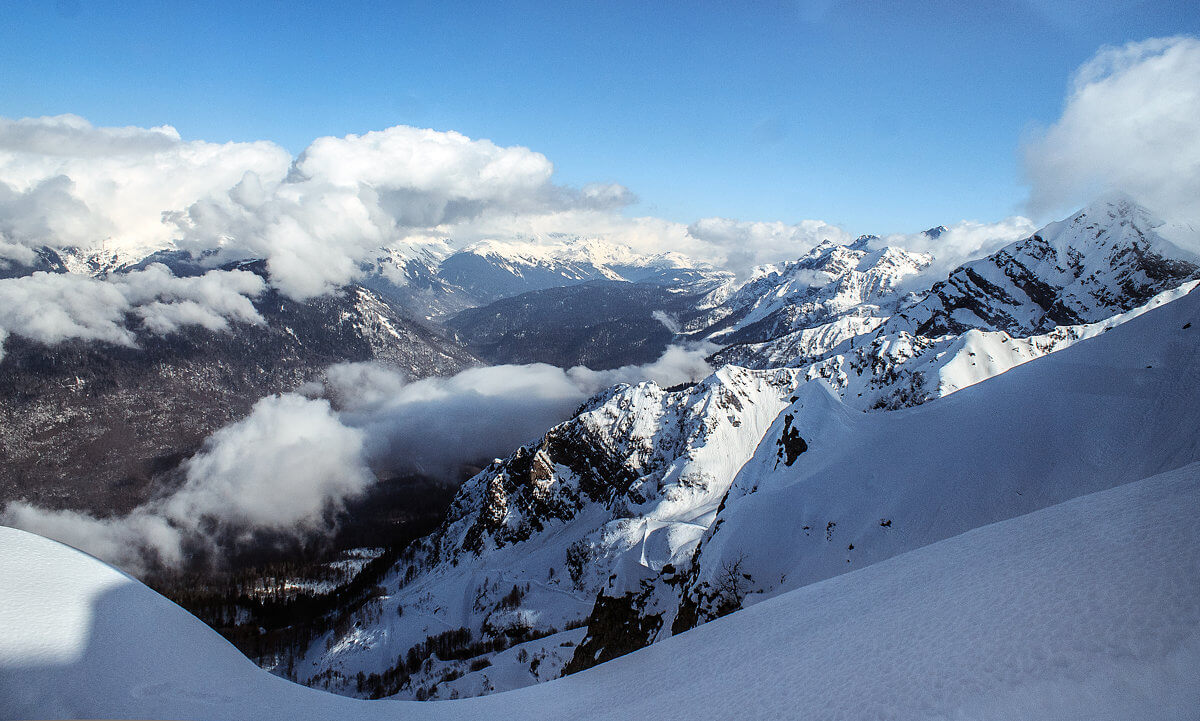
(829, 282)
(1037, 295)
(626, 487)
(1086, 610)
(1120, 406)
(647, 495)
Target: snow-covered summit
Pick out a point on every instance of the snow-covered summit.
(829, 281)
(1104, 259)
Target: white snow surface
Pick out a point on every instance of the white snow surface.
(1077, 421)
(1086, 610)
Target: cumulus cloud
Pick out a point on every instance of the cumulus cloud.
(53, 307)
(65, 183)
(286, 469)
(344, 198)
(318, 217)
(1131, 123)
(435, 425)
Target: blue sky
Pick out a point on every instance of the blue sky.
(877, 116)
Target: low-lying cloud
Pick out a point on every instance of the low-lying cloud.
(53, 307)
(289, 468)
(957, 244)
(435, 425)
(286, 469)
(1129, 125)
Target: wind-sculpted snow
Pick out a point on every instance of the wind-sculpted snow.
(1086, 609)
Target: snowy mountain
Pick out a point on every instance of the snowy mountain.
(841, 290)
(490, 270)
(1085, 609)
(830, 282)
(1023, 301)
(1059, 366)
(677, 507)
(1106, 258)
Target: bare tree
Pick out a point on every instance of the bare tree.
(731, 585)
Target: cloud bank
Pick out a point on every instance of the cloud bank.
(65, 183)
(435, 425)
(957, 244)
(318, 217)
(287, 469)
(53, 307)
(1129, 125)
(746, 245)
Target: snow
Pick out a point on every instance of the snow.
(1118, 407)
(1089, 609)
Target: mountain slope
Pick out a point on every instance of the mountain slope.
(1083, 610)
(638, 496)
(829, 282)
(599, 323)
(1106, 258)
(490, 270)
(1027, 299)
(529, 541)
(121, 417)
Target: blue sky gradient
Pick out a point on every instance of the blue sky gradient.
(876, 116)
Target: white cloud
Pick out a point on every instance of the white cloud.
(434, 425)
(958, 243)
(318, 217)
(54, 307)
(287, 468)
(1131, 124)
(283, 467)
(66, 183)
(344, 198)
(134, 542)
(742, 245)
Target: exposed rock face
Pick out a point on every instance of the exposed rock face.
(1105, 259)
(600, 503)
(631, 517)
